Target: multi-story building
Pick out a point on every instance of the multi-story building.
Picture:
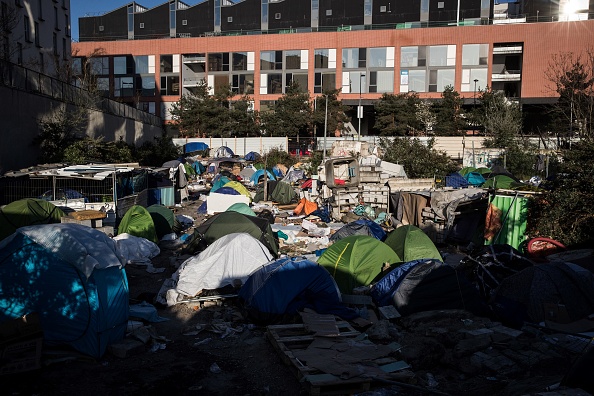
(150, 57)
(36, 34)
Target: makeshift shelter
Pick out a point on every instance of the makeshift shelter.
(223, 152)
(356, 261)
(138, 222)
(247, 172)
(195, 146)
(226, 223)
(278, 191)
(252, 156)
(241, 208)
(280, 289)
(424, 285)
(259, 174)
(25, 212)
(411, 243)
(529, 294)
(73, 277)
(305, 207)
(228, 261)
(360, 227)
(456, 180)
(474, 179)
(219, 182)
(501, 181)
(164, 220)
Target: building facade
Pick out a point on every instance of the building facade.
(36, 34)
(365, 48)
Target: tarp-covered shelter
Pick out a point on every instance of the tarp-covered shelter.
(356, 261)
(278, 191)
(456, 180)
(279, 290)
(228, 261)
(138, 222)
(195, 146)
(222, 152)
(525, 295)
(25, 212)
(411, 243)
(73, 277)
(362, 226)
(425, 285)
(252, 156)
(226, 223)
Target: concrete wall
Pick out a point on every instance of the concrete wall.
(21, 111)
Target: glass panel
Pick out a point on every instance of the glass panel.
(103, 85)
(357, 82)
(416, 80)
(293, 60)
(481, 76)
(385, 81)
(240, 61)
(438, 55)
(218, 62)
(409, 57)
(166, 63)
(377, 57)
(300, 79)
(148, 86)
(123, 86)
(267, 60)
(77, 66)
(445, 77)
(321, 57)
(275, 84)
(141, 64)
(350, 58)
(470, 54)
(119, 65)
(328, 82)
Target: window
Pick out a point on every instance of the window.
(141, 64)
(64, 49)
(141, 25)
(324, 82)
(37, 34)
(381, 81)
(442, 55)
(99, 65)
(66, 26)
(40, 7)
(56, 24)
(101, 28)
(475, 54)
(416, 80)
(218, 62)
(382, 8)
(271, 60)
(19, 53)
(123, 65)
(27, 27)
(230, 19)
(123, 86)
(103, 86)
(147, 84)
(293, 59)
(166, 64)
(441, 78)
(184, 22)
(440, 4)
(321, 58)
(277, 15)
(242, 83)
(170, 85)
(328, 12)
(41, 62)
(274, 83)
(377, 57)
(353, 58)
(298, 78)
(240, 61)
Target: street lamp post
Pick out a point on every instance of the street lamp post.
(325, 126)
(359, 109)
(474, 103)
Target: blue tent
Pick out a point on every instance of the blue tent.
(278, 173)
(456, 180)
(424, 285)
(260, 173)
(252, 156)
(73, 277)
(474, 179)
(282, 288)
(362, 226)
(195, 146)
(218, 182)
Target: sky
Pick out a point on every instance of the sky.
(81, 8)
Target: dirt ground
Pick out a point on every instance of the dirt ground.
(213, 350)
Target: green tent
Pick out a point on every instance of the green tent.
(483, 171)
(240, 207)
(410, 243)
(138, 222)
(278, 191)
(466, 170)
(26, 212)
(501, 181)
(164, 220)
(230, 222)
(356, 261)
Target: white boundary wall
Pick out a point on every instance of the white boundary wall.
(240, 146)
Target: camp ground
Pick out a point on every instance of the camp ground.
(348, 280)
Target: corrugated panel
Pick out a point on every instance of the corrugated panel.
(513, 218)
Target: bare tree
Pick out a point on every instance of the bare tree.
(9, 20)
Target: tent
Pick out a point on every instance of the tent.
(195, 146)
(525, 295)
(240, 207)
(501, 181)
(247, 172)
(278, 191)
(424, 285)
(223, 152)
(360, 227)
(229, 259)
(255, 178)
(218, 182)
(474, 178)
(282, 288)
(252, 156)
(29, 211)
(73, 277)
(466, 170)
(164, 220)
(356, 261)
(138, 222)
(225, 223)
(411, 243)
(240, 188)
(456, 180)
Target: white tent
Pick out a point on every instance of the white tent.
(232, 257)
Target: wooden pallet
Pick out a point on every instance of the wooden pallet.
(288, 338)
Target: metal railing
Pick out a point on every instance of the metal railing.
(28, 80)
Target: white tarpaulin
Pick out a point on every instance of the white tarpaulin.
(137, 250)
(229, 258)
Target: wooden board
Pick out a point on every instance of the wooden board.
(88, 215)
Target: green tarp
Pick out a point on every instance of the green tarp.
(514, 219)
(138, 222)
(26, 212)
(278, 191)
(410, 243)
(356, 261)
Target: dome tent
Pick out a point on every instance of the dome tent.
(411, 243)
(138, 222)
(362, 226)
(73, 277)
(25, 212)
(241, 208)
(356, 261)
(164, 220)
